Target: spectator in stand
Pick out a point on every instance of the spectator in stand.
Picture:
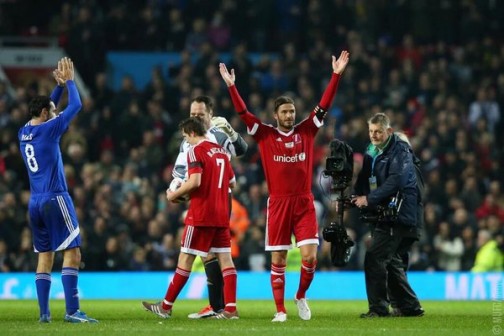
(490, 207)
(5, 263)
(238, 223)
(484, 109)
(449, 249)
(490, 256)
(470, 249)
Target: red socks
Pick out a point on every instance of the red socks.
(229, 276)
(179, 280)
(278, 286)
(306, 278)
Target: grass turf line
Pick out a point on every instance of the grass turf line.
(127, 317)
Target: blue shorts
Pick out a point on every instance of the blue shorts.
(53, 222)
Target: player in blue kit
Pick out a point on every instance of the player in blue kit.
(52, 214)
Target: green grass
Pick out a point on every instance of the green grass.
(328, 318)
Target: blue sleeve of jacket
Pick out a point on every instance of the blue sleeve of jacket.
(240, 146)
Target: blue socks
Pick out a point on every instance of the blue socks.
(69, 278)
(43, 284)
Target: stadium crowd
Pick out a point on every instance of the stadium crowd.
(436, 68)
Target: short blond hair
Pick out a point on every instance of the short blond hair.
(380, 119)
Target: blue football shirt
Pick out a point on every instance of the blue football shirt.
(40, 148)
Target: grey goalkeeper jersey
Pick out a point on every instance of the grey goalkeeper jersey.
(215, 135)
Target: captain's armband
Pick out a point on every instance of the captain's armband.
(320, 112)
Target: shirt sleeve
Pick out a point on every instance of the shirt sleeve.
(180, 167)
(60, 124)
(251, 121)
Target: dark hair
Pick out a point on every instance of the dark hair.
(37, 104)
(205, 100)
(192, 125)
(282, 100)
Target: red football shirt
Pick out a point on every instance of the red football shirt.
(287, 158)
(210, 202)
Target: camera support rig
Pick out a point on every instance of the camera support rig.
(339, 166)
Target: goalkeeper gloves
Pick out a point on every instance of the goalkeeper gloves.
(224, 126)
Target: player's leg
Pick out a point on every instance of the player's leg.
(41, 242)
(222, 248)
(215, 289)
(182, 273)
(308, 266)
(277, 280)
(43, 284)
(193, 244)
(306, 234)
(70, 279)
(230, 278)
(62, 229)
(196, 241)
(164, 309)
(278, 241)
(215, 282)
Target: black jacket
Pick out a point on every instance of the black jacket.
(394, 171)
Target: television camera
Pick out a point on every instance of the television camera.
(339, 167)
(382, 214)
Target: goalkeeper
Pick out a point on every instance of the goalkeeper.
(220, 132)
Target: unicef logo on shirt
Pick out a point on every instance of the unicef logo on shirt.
(289, 159)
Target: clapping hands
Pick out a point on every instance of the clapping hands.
(64, 72)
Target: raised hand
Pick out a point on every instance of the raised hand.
(57, 76)
(340, 64)
(228, 77)
(65, 71)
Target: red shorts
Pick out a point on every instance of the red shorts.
(287, 216)
(200, 240)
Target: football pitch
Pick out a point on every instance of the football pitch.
(127, 317)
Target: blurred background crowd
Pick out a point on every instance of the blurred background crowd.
(435, 67)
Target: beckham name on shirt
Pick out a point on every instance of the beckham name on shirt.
(216, 150)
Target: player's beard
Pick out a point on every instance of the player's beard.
(286, 124)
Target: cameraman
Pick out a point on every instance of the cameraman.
(388, 173)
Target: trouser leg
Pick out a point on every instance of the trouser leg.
(399, 287)
(376, 260)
